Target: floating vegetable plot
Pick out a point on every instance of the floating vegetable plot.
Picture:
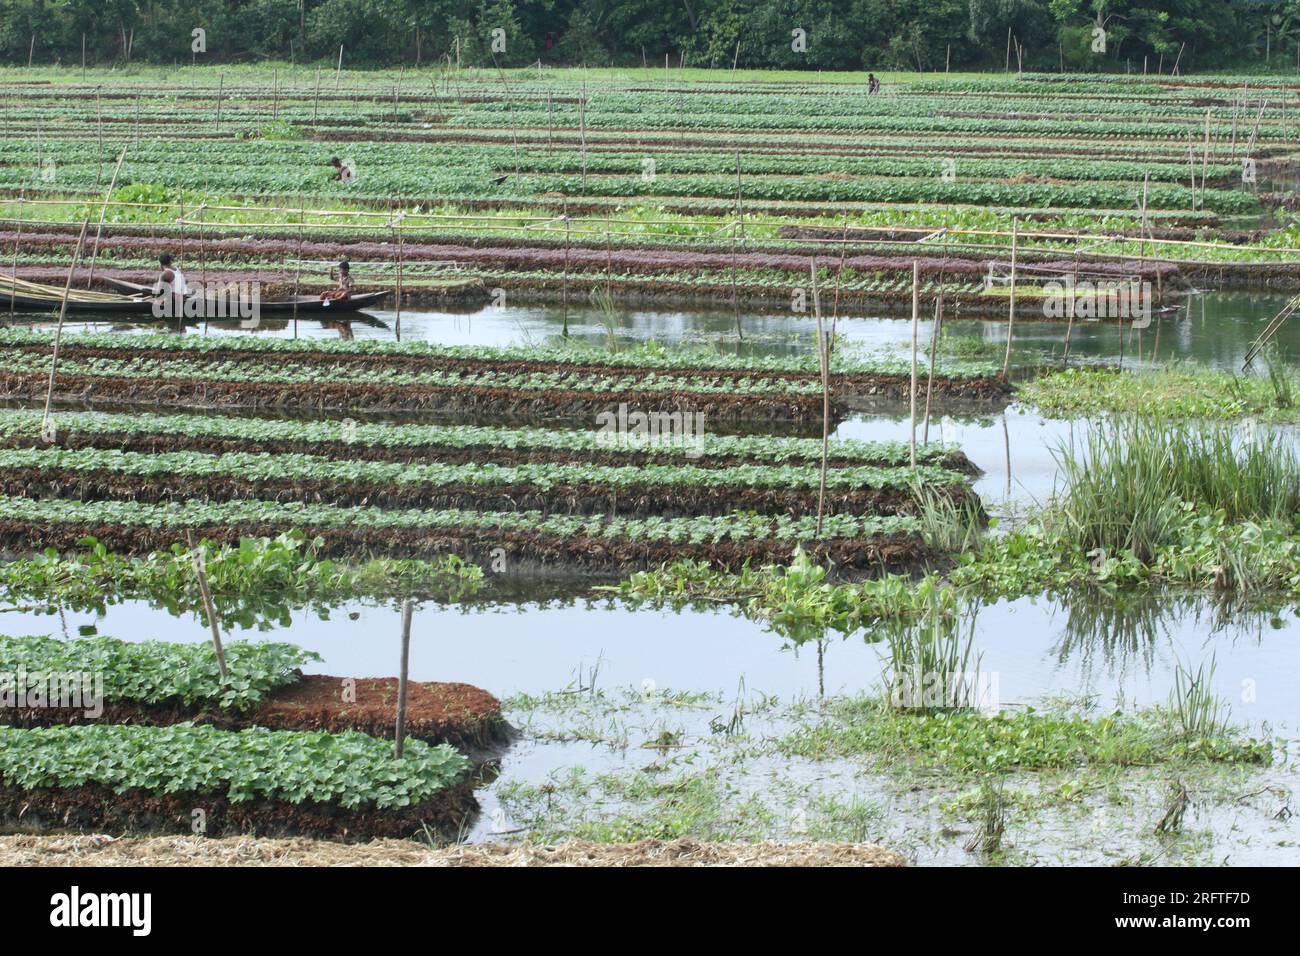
(595, 543)
(676, 489)
(161, 683)
(414, 377)
(447, 444)
(108, 777)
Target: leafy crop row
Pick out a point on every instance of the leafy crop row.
(428, 441)
(287, 373)
(234, 345)
(153, 672)
(351, 769)
(254, 467)
(695, 530)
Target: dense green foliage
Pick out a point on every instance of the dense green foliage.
(153, 672)
(841, 34)
(351, 769)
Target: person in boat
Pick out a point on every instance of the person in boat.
(171, 282)
(343, 288)
(342, 172)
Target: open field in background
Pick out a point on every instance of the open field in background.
(661, 184)
(718, 601)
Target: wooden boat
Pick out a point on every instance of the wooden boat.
(305, 303)
(137, 299)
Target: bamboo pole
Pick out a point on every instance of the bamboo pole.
(839, 281)
(221, 89)
(738, 227)
(1011, 309)
(297, 269)
(99, 135)
(13, 288)
(1205, 157)
(1069, 325)
(1235, 107)
(564, 284)
(203, 255)
(823, 364)
(399, 735)
(582, 120)
(58, 330)
(315, 100)
(934, 337)
(916, 316)
(401, 262)
(200, 571)
(338, 70)
(929, 381)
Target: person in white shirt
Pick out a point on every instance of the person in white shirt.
(171, 281)
(342, 171)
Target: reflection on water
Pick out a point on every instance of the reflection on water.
(1086, 644)
(1213, 328)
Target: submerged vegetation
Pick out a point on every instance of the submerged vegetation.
(967, 741)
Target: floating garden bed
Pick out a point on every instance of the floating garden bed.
(448, 444)
(159, 683)
(109, 777)
(676, 489)
(596, 543)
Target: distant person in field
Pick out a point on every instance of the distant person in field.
(171, 282)
(342, 171)
(873, 84)
(344, 286)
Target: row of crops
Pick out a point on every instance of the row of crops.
(230, 372)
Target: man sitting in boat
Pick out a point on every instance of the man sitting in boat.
(171, 283)
(342, 172)
(345, 284)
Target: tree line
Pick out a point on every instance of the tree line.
(1074, 35)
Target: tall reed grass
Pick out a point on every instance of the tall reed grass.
(1125, 489)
